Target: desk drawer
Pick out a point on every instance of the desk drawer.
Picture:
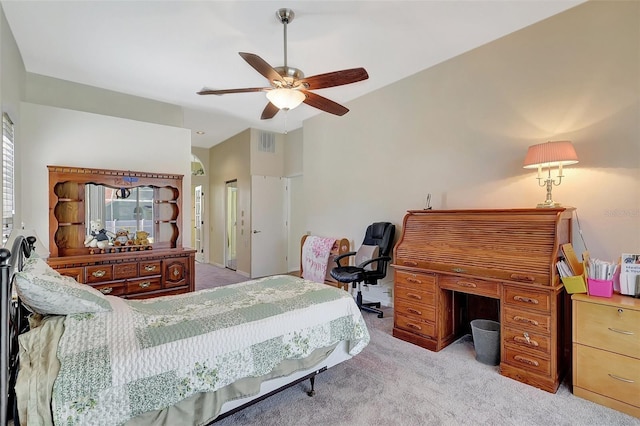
(525, 339)
(99, 273)
(527, 360)
(524, 298)
(470, 286)
(417, 297)
(424, 282)
(415, 326)
(414, 310)
(608, 374)
(531, 321)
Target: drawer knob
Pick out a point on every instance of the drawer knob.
(145, 284)
(150, 268)
(468, 284)
(414, 326)
(519, 277)
(106, 290)
(615, 330)
(414, 296)
(414, 280)
(526, 300)
(458, 270)
(99, 273)
(622, 379)
(518, 318)
(414, 311)
(525, 360)
(409, 263)
(525, 340)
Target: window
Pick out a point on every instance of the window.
(8, 181)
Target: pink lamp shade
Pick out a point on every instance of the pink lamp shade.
(550, 154)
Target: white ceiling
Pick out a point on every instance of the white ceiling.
(168, 50)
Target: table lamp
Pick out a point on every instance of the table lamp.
(550, 155)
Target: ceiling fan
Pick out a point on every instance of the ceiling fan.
(288, 86)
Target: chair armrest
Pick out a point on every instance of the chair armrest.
(343, 255)
(375, 259)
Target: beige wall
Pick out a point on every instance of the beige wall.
(293, 153)
(228, 161)
(203, 155)
(66, 94)
(460, 131)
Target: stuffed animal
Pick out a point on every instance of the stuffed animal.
(122, 238)
(141, 238)
(97, 236)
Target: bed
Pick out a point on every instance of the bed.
(186, 359)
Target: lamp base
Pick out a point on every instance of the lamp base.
(548, 205)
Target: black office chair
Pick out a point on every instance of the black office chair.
(369, 271)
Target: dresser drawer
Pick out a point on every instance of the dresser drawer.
(112, 289)
(470, 285)
(532, 321)
(143, 284)
(75, 273)
(424, 282)
(150, 268)
(526, 339)
(415, 326)
(414, 310)
(125, 270)
(608, 374)
(99, 273)
(616, 329)
(417, 297)
(524, 298)
(527, 360)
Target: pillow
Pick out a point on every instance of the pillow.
(365, 253)
(45, 291)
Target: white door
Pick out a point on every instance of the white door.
(268, 226)
(198, 204)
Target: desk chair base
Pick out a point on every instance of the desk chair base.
(368, 306)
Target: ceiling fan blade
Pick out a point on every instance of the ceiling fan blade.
(336, 78)
(269, 111)
(324, 104)
(261, 66)
(226, 91)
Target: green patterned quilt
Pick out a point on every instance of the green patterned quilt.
(147, 355)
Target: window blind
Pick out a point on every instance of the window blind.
(8, 180)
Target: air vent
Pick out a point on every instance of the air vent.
(267, 142)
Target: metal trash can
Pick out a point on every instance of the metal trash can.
(486, 341)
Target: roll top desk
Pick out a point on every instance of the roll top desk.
(505, 255)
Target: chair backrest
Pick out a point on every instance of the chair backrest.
(380, 234)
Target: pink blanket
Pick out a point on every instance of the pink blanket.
(315, 255)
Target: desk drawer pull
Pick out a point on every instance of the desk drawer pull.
(150, 268)
(525, 340)
(615, 330)
(414, 280)
(622, 379)
(518, 318)
(145, 284)
(414, 326)
(458, 270)
(414, 296)
(526, 300)
(525, 360)
(106, 290)
(99, 273)
(409, 263)
(414, 311)
(523, 277)
(467, 284)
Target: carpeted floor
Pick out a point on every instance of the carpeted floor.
(210, 276)
(393, 382)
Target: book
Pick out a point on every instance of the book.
(630, 274)
(572, 259)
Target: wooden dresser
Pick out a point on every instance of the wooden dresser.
(128, 201)
(506, 257)
(606, 351)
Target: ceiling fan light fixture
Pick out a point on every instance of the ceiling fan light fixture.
(285, 98)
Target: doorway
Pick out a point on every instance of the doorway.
(231, 225)
(198, 237)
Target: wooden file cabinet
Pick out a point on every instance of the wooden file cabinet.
(606, 351)
(505, 255)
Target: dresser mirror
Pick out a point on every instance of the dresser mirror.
(119, 200)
